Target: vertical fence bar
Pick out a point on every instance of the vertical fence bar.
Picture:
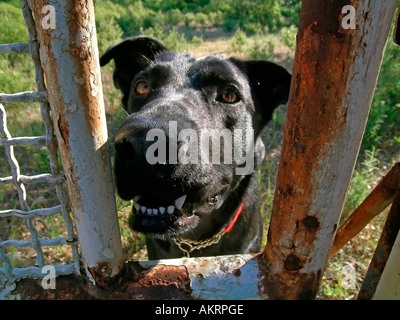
(337, 62)
(69, 57)
(381, 255)
(388, 287)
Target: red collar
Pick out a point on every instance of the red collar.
(235, 217)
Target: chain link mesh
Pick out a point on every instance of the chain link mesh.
(12, 243)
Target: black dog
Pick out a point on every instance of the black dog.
(188, 151)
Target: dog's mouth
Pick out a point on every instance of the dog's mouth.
(158, 216)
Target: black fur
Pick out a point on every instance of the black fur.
(196, 94)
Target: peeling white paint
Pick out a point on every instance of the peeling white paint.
(218, 278)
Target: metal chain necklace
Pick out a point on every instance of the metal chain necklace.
(187, 246)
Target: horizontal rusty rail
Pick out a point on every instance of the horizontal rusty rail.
(235, 277)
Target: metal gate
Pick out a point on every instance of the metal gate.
(314, 172)
(69, 95)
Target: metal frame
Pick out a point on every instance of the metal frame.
(334, 77)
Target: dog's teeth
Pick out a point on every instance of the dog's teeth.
(149, 212)
(137, 198)
(170, 209)
(180, 202)
(137, 207)
(155, 212)
(143, 209)
(162, 210)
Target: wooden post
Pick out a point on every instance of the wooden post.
(337, 62)
(70, 60)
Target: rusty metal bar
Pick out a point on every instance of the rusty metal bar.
(382, 251)
(234, 277)
(69, 57)
(334, 77)
(377, 201)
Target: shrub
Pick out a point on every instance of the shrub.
(239, 41)
(384, 117)
(172, 39)
(288, 36)
(262, 48)
(12, 26)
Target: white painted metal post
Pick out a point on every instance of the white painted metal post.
(70, 60)
(389, 284)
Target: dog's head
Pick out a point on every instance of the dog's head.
(191, 135)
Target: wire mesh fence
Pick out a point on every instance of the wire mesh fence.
(32, 228)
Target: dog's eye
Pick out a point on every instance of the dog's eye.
(142, 88)
(230, 95)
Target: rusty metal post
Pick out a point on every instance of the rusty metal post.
(70, 60)
(337, 61)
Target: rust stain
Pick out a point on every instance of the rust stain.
(159, 282)
(156, 282)
(46, 37)
(64, 130)
(237, 272)
(293, 263)
(311, 223)
(80, 50)
(83, 56)
(291, 285)
(104, 274)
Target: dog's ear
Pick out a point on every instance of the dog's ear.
(269, 83)
(131, 56)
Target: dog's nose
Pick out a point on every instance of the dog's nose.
(132, 138)
(143, 144)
